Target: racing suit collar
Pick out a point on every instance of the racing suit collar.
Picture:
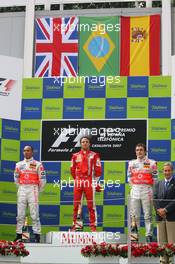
(28, 160)
(143, 159)
(85, 152)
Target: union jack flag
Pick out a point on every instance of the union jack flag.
(56, 47)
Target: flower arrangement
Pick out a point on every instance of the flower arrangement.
(12, 248)
(137, 250)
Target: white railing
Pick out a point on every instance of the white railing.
(29, 29)
(6, 3)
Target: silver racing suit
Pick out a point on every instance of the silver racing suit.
(30, 178)
(142, 173)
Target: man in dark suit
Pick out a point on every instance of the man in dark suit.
(164, 203)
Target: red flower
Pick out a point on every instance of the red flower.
(12, 248)
(137, 250)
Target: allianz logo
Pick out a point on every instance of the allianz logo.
(12, 129)
(158, 150)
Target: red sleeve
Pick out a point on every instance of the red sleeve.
(97, 165)
(73, 166)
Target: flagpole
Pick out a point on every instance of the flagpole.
(166, 37)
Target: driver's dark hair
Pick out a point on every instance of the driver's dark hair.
(29, 146)
(141, 145)
(88, 138)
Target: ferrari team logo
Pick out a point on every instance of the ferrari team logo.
(138, 34)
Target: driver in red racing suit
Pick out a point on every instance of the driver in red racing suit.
(86, 170)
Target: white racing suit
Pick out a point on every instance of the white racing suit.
(30, 178)
(142, 173)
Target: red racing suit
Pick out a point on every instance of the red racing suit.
(86, 170)
(30, 178)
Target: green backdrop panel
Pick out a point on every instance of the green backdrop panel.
(65, 172)
(46, 229)
(66, 215)
(94, 108)
(8, 192)
(74, 87)
(160, 169)
(160, 86)
(115, 171)
(116, 88)
(30, 129)
(32, 88)
(173, 149)
(159, 129)
(137, 108)
(0, 128)
(7, 232)
(50, 195)
(127, 191)
(10, 149)
(113, 216)
(52, 108)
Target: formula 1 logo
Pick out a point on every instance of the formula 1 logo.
(67, 134)
(6, 86)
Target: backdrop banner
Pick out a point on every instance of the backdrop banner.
(113, 139)
(10, 87)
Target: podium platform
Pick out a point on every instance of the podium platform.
(65, 247)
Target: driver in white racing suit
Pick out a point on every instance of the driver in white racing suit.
(142, 174)
(30, 178)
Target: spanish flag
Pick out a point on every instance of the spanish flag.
(140, 46)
